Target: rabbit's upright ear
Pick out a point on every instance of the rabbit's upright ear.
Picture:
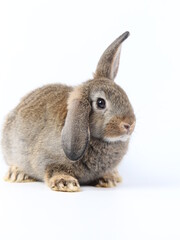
(109, 62)
(75, 133)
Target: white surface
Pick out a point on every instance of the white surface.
(31, 211)
(61, 41)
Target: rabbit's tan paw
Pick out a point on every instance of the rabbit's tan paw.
(16, 175)
(64, 183)
(107, 183)
(109, 180)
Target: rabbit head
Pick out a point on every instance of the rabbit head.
(98, 108)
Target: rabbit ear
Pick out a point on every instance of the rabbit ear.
(75, 133)
(109, 62)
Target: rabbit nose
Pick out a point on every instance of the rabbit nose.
(126, 126)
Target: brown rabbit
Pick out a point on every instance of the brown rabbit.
(68, 136)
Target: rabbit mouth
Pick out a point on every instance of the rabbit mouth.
(122, 138)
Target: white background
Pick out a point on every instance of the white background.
(44, 42)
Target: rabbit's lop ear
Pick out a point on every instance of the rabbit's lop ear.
(109, 62)
(75, 133)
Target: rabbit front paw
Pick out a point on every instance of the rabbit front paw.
(109, 180)
(64, 183)
(107, 183)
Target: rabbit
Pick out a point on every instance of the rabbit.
(70, 136)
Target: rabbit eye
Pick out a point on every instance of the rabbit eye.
(101, 103)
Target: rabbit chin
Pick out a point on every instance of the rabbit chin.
(123, 138)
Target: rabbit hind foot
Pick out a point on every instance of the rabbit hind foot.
(14, 174)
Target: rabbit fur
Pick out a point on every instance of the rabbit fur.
(59, 134)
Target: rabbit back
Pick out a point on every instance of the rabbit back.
(31, 128)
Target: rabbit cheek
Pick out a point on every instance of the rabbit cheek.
(112, 131)
(96, 124)
(117, 130)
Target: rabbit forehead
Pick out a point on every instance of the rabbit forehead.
(97, 94)
(117, 102)
(112, 93)
(107, 87)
